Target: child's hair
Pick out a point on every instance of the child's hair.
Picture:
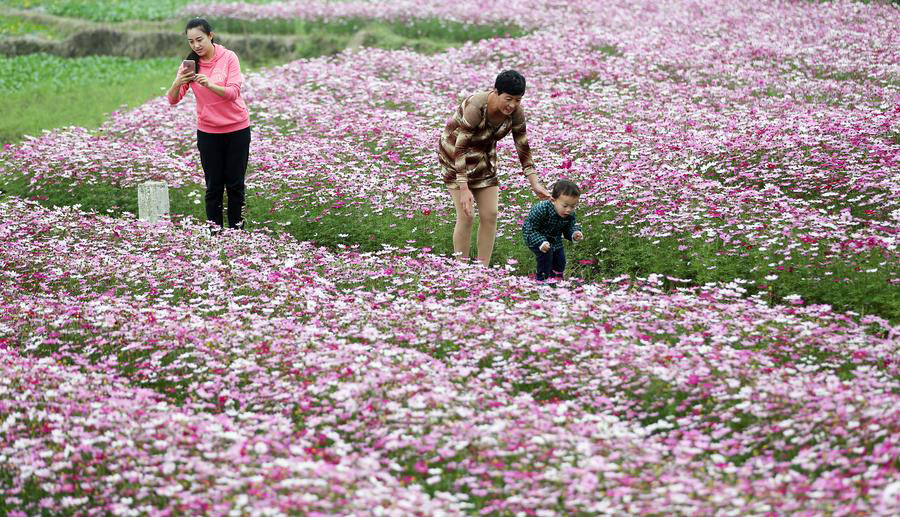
(511, 82)
(565, 188)
(203, 25)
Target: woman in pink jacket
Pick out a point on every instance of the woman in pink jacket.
(223, 123)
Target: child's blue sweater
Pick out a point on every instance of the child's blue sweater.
(544, 224)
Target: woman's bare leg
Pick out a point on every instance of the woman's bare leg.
(487, 201)
(462, 232)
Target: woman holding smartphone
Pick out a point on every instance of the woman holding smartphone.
(213, 73)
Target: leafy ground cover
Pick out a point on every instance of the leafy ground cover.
(21, 72)
(14, 26)
(41, 91)
(104, 10)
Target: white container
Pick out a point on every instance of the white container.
(153, 200)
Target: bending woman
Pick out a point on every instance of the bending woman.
(468, 157)
(223, 122)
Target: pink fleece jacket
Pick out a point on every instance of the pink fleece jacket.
(219, 114)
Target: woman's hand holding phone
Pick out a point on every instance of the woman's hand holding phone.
(186, 72)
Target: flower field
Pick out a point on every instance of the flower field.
(705, 154)
(726, 343)
(152, 368)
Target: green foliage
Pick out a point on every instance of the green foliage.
(430, 28)
(82, 91)
(31, 493)
(17, 26)
(103, 11)
(113, 10)
(39, 92)
(542, 391)
(609, 50)
(335, 228)
(860, 284)
(61, 75)
(320, 37)
(342, 226)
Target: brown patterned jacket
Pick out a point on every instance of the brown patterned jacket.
(468, 147)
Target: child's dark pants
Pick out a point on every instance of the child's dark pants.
(550, 264)
(224, 159)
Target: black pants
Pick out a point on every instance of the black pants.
(224, 159)
(550, 264)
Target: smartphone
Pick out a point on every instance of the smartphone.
(189, 64)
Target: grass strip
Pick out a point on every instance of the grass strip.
(607, 251)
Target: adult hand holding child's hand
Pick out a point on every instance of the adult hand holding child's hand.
(545, 247)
